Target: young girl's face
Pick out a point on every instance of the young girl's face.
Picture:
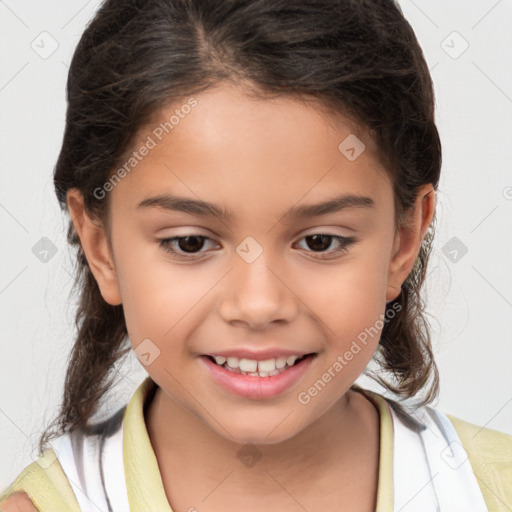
(255, 283)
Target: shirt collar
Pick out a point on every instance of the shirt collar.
(385, 494)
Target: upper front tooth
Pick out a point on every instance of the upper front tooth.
(233, 362)
(268, 365)
(248, 365)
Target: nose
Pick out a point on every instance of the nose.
(258, 295)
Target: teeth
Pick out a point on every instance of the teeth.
(255, 368)
(290, 360)
(233, 362)
(280, 362)
(247, 365)
(266, 366)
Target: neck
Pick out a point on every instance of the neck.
(340, 444)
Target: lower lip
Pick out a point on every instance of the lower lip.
(257, 387)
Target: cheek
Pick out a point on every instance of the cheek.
(146, 290)
(347, 297)
(158, 295)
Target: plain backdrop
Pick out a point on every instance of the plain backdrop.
(468, 47)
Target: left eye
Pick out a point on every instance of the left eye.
(321, 242)
(192, 244)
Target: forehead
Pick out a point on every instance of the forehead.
(226, 146)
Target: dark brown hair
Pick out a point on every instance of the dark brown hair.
(356, 57)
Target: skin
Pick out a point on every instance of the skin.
(19, 502)
(257, 158)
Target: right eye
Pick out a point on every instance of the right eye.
(189, 245)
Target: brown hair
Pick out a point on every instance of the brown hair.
(357, 57)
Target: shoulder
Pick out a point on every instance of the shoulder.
(41, 486)
(18, 502)
(483, 442)
(490, 455)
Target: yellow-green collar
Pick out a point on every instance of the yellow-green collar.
(144, 482)
(385, 494)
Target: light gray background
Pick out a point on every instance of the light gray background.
(470, 301)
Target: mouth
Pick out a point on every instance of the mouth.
(256, 379)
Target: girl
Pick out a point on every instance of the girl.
(251, 188)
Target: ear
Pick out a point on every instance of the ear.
(408, 240)
(95, 246)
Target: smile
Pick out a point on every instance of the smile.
(254, 368)
(257, 379)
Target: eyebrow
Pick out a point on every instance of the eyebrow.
(203, 208)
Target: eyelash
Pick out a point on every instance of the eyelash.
(166, 244)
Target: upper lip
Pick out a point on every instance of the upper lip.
(259, 355)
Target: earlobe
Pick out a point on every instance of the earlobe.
(96, 248)
(408, 239)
